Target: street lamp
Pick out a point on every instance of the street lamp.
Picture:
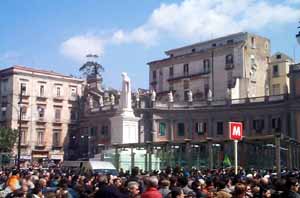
(22, 91)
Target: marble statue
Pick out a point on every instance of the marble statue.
(209, 95)
(228, 93)
(190, 96)
(153, 96)
(126, 92)
(101, 101)
(137, 96)
(112, 99)
(170, 97)
(91, 102)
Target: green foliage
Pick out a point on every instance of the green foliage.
(8, 138)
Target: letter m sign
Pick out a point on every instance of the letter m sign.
(235, 130)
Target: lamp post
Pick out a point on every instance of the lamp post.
(22, 89)
(298, 36)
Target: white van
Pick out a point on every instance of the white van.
(100, 167)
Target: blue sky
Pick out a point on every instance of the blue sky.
(55, 35)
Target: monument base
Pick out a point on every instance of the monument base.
(124, 128)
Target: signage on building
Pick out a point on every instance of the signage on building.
(235, 130)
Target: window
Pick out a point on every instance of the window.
(180, 129)
(206, 89)
(4, 88)
(229, 59)
(162, 129)
(186, 69)
(93, 131)
(42, 90)
(23, 113)
(57, 114)
(186, 84)
(252, 42)
(214, 45)
(206, 65)
(171, 71)
(23, 137)
(276, 124)
(171, 87)
(73, 115)
(154, 75)
(278, 56)
(73, 91)
(193, 50)
(56, 138)
(40, 137)
(58, 91)
(23, 88)
(276, 89)
(41, 112)
(220, 128)
(104, 130)
(258, 125)
(200, 128)
(275, 71)
(230, 41)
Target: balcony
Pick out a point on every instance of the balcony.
(202, 73)
(40, 145)
(58, 98)
(229, 66)
(41, 120)
(57, 146)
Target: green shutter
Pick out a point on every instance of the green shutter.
(162, 129)
(180, 131)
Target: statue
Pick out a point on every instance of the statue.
(190, 96)
(209, 95)
(112, 99)
(101, 101)
(170, 97)
(91, 102)
(126, 92)
(137, 96)
(153, 96)
(228, 93)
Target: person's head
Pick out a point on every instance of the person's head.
(152, 181)
(164, 183)
(240, 189)
(292, 184)
(177, 193)
(266, 193)
(117, 182)
(43, 182)
(182, 181)
(133, 188)
(135, 171)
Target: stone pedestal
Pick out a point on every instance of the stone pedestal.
(124, 128)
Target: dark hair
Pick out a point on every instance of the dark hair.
(135, 171)
(175, 192)
(291, 182)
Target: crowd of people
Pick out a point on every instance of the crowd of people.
(168, 183)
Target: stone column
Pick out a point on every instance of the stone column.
(277, 153)
(132, 154)
(154, 132)
(117, 158)
(290, 156)
(189, 153)
(210, 153)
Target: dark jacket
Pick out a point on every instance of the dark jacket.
(109, 192)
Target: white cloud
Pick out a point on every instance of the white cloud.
(78, 47)
(196, 20)
(192, 20)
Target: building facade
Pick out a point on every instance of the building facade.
(278, 71)
(234, 64)
(49, 109)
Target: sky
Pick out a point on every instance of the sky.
(56, 35)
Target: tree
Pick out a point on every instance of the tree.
(91, 67)
(8, 138)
